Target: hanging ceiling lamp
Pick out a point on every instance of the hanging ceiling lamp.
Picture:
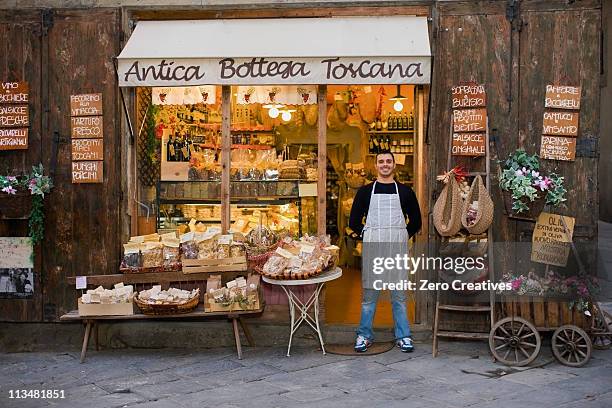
(398, 106)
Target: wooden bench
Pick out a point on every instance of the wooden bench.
(165, 279)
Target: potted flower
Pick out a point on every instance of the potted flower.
(21, 197)
(526, 189)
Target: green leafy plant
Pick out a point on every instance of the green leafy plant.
(521, 177)
(38, 185)
(152, 145)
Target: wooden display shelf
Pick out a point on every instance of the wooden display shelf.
(379, 132)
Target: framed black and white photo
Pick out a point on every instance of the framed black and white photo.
(16, 268)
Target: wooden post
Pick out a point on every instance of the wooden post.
(322, 160)
(226, 93)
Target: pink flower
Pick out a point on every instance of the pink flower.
(535, 174)
(516, 283)
(9, 190)
(12, 179)
(518, 173)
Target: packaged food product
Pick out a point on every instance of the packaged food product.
(171, 251)
(207, 246)
(131, 255)
(188, 246)
(152, 254)
(275, 265)
(237, 249)
(224, 246)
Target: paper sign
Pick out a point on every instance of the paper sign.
(14, 116)
(86, 126)
(16, 252)
(562, 97)
(469, 120)
(87, 149)
(14, 92)
(469, 144)
(86, 105)
(400, 158)
(558, 148)
(468, 96)
(14, 138)
(560, 123)
(87, 171)
(551, 241)
(81, 282)
(308, 189)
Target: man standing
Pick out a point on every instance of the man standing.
(392, 216)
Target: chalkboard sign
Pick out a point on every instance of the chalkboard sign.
(86, 105)
(468, 96)
(14, 138)
(558, 148)
(469, 144)
(87, 149)
(560, 123)
(551, 240)
(86, 126)
(14, 116)
(562, 97)
(87, 171)
(14, 92)
(469, 120)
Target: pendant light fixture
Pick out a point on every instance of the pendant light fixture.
(398, 106)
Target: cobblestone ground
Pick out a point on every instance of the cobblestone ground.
(463, 375)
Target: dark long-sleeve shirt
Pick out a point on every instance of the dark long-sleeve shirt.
(408, 200)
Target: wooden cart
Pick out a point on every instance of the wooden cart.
(515, 338)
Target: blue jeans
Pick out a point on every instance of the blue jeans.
(368, 308)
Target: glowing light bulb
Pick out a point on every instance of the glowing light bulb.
(273, 113)
(286, 116)
(398, 106)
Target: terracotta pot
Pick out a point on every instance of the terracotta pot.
(535, 207)
(17, 206)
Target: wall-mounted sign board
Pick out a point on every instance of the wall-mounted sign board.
(87, 149)
(560, 123)
(469, 120)
(551, 240)
(86, 105)
(14, 138)
(87, 171)
(558, 148)
(468, 96)
(468, 144)
(14, 92)
(562, 97)
(14, 116)
(86, 126)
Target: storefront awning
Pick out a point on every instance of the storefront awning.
(351, 50)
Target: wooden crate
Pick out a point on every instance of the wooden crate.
(235, 264)
(544, 313)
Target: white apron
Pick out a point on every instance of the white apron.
(385, 223)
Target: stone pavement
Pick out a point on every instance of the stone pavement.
(463, 375)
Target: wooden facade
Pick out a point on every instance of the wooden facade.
(514, 48)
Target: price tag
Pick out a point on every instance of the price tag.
(81, 282)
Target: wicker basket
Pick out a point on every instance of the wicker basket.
(535, 207)
(293, 276)
(447, 210)
(186, 307)
(15, 206)
(484, 218)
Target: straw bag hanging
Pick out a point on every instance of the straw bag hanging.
(483, 208)
(447, 209)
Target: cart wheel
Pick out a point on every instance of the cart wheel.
(602, 330)
(514, 341)
(571, 346)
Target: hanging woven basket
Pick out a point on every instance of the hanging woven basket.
(484, 212)
(447, 209)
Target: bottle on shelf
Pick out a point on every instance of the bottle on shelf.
(411, 121)
(404, 121)
(170, 152)
(371, 147)
(378, 124)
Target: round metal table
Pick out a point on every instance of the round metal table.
(311, 303)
